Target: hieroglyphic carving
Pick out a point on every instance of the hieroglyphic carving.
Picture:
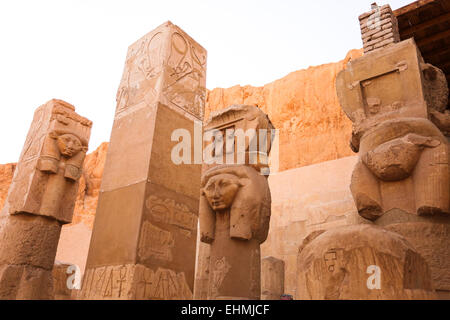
(331, 258)
(108, 282)
(134, 282)
(157, 232)
(187, 72)
(339, 264)
(232, 123)
(219, 271)
(155, 242)
(171, 212)
(144, 63)
(166, 66)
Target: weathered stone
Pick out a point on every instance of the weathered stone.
(430, 238)
(235, 204)
(134, 282)
(45, 180)
(402, 178)
(272, 278)
(146, 216)
(202, 266)
(41, 198)
(361, 262)
(61, 289)
(234, 219)
(435, 87)
(399, 148)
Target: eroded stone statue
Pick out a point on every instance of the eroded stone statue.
(40, 200)
(403, 155)
(398, 107)
(234, 219)
(235, 207)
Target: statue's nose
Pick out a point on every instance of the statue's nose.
(216, 192)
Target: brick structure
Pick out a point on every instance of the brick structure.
(379, 28)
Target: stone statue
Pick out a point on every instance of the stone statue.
(397, 104)
(403, 155)
(235, 206)
(41, 199)
(234, 219)
(62, 158)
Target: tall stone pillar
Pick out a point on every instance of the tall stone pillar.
(402, 178)
(144, 236)
(235, 201)
(40, 200)
(272, 278)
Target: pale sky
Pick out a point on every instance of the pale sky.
(75, 50)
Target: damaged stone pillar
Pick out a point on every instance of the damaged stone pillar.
(41, 199)
(144, 236)
(235, 201)
(272, 278)
(401, 181)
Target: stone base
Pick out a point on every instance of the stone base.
(430, 236)
(235, 268)
(362, 262)
(27, 253)
(20, 282)
(134, 282)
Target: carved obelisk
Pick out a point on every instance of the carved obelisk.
(41, 199)
(144, 237)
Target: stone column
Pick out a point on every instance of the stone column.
(235, 201)
(40, 200)
(145, 229)
(272, 278)
(401, 181)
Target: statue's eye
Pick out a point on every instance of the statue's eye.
(224, 183)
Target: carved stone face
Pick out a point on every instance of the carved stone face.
(221, 190)
(68, 144)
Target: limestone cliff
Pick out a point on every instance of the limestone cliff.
(303, 105)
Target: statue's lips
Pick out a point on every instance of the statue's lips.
(69, 152)
(218, 203)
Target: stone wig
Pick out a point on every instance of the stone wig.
(250, 211)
